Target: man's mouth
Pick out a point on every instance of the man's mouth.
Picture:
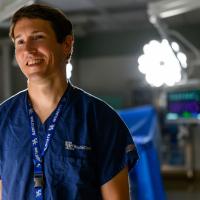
(34, 62)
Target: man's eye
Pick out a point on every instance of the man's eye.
(37, 37)
(19, 42)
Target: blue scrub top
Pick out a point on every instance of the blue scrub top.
(90, 146)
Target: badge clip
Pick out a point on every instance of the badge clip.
(38, 180)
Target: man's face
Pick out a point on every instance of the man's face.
(37, 51)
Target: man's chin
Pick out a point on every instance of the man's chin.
(35, 77)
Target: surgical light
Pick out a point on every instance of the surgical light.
(160, 64)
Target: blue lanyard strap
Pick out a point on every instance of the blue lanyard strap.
(38, 154)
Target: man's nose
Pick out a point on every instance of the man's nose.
(29, 46)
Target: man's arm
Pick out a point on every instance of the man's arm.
(0, 189)
(117, 188)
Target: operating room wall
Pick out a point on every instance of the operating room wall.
(11, 78)
(106, 63)
(5, 68)
(113, 76)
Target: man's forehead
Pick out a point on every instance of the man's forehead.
(32, 21)
(32, 25)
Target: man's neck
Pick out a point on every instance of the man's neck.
(46, 95)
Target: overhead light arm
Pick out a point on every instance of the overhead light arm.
(169, 8)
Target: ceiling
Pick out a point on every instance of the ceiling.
(104, 15)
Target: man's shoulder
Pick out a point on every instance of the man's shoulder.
(88, 98)
(13, 99)
(93, 103)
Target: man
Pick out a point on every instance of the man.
(57, 141)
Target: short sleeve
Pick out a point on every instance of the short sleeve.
(116, 148)
(1, 152)
(0, 166)
(0, 169)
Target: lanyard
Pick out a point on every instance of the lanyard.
(38, 154)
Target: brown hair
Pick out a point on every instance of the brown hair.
(60, 24)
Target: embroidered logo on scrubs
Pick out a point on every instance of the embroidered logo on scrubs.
(130, 147)
(70, 146)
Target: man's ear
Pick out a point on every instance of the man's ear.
(68, 43)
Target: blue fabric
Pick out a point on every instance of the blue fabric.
(88, 148)
(142, 123)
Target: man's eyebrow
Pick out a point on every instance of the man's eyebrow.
(32, 33)
(18, 36)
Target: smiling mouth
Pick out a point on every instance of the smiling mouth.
(34, 62)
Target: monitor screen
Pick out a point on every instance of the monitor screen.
(183, 105)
